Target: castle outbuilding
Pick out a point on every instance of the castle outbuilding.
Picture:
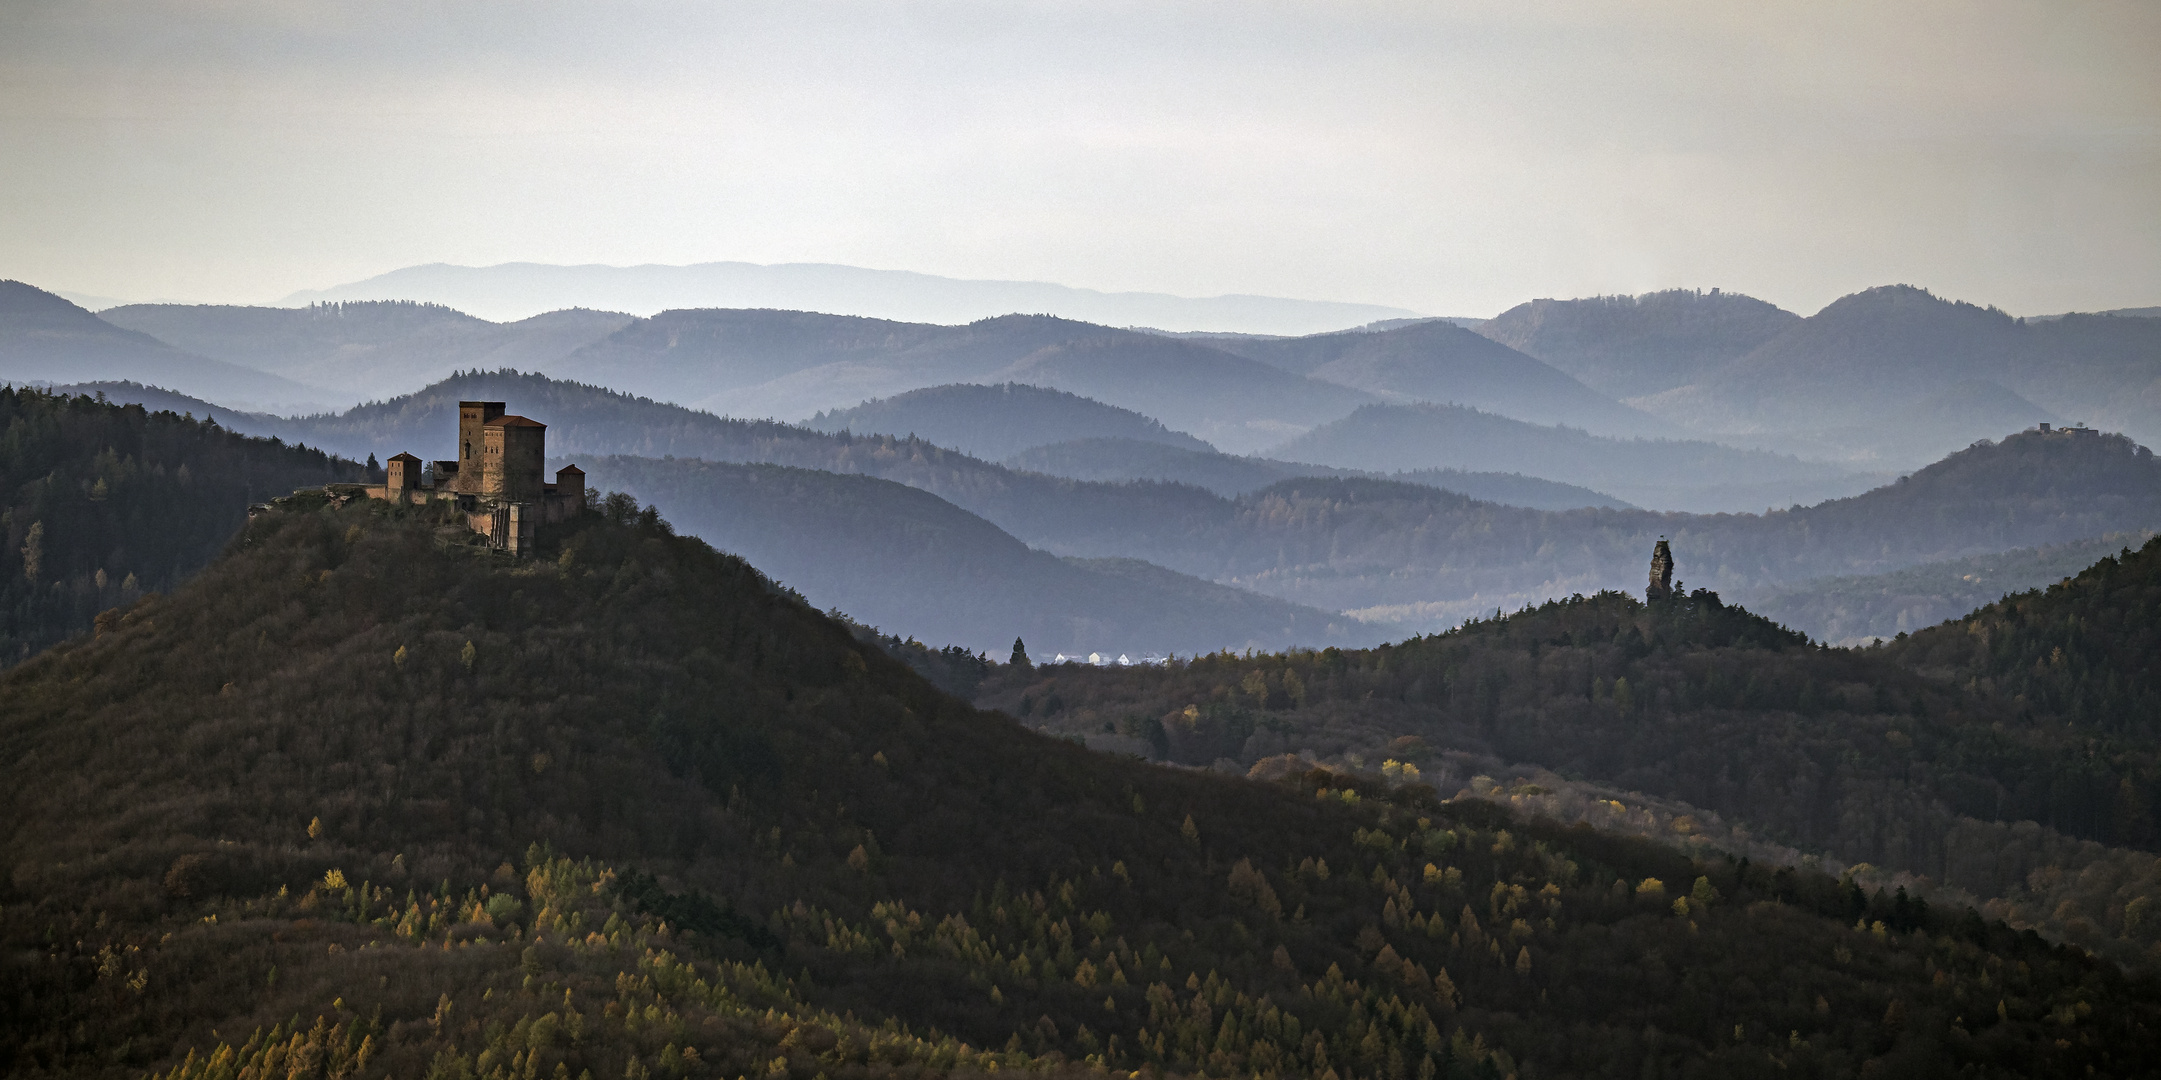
(497, 479)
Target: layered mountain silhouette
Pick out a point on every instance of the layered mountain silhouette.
(1857, 610)
(1696, 476)
(1438, 361)
(790, 365)
(1396, 551)
(903, 559)
(44, 338)
(1634, 346)
(367, 350)
(1134, 459)
(1896, 367)
(994, 422)
(513, 291)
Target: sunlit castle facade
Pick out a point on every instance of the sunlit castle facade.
(497, 479)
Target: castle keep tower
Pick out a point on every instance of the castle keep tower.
(497, 479)
(1661, 587)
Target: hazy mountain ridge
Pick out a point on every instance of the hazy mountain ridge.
(1870, 359)
(995, 422)
(794, 364)
(1634, 346)
(1438, 361)
(1856, 610)
(907, 561)
(45, 339)
(1116, 460)
(1394, 551)
(1695, 476)
(370, 349)
(519, 290)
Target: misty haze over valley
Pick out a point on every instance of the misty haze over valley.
(1081, 541)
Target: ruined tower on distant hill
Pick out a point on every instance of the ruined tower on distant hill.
(1661, 587)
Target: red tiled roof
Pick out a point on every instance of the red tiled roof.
(514, 421)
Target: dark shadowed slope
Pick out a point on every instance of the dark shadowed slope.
(1224, 474)
(46, 339)
(995, 422)
(1699, 477)
(1631, 346)
(101, 504)
(1438, 361)
(1856, 610)
(911, 563)
(2087, 649)
(628, 811)
(369, 350)
(1930, 780)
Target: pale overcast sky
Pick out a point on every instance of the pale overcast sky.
(1452, 158)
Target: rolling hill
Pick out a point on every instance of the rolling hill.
(1693, 476)
(1398, 552)
(511, 291)
(45, 339)
(2007, 758)
(102, 504)
(368, 350)
(996, 422)
(795, 364)
(1130, 459)
(1634, 346)
(1857, 610)
(1438, 361)
(358, 801)
(1882, 361)
(911, 563)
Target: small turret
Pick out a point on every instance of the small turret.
(1661, 587)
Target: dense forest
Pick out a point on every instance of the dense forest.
(102, 503)
(1920, 756)
(366, 799)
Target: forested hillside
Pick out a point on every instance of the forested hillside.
(1855, 754)
(2087, 649)
(1853, 610)
(103, 503)
(997, 422)
(362, 801)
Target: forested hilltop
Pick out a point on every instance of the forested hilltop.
(365, 800)
(1935, 756)
(103, 503)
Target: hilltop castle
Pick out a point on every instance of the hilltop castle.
(496, 479)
